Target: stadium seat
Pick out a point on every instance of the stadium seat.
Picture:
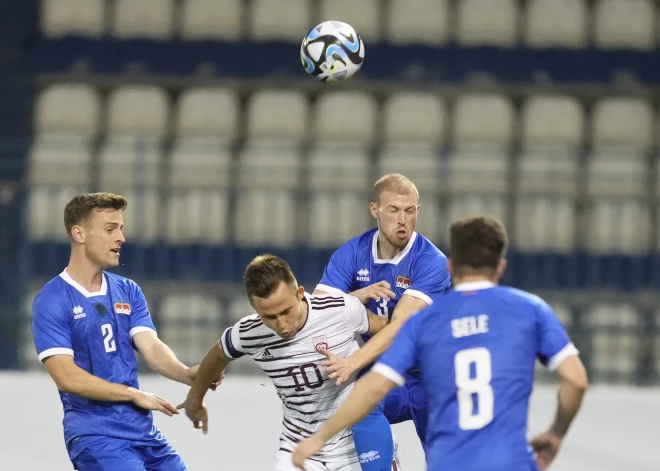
(421, 163)
(364, 16)
(138, 110)
(212, 19)
(197, 215)
(615, 354)
(544, 223)
(207, 113)
(474, 170)
(200, 314)
(548, 171)
(333, 166)
(59, 160)
(68, 109)
(238, 308)
(616, 175)
(563, 312)
(624, 24)
(414, 118)
(625, 123)
(129, 162)
(418, 21)
(200, 163)
(616, 225)
(45, 208)
(143, 216)
(461, 206)
(487, 22)
(552, 121)
(483, 119)
(348, 117)
(277, 114)
(287, 20)
(266, 218)
(336, 217)
(144, 19)
(61, 18)
(266, 165)
(556, 23)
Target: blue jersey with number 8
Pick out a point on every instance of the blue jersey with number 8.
(476, 351)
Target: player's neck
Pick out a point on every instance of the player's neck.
(385, 250)
(85, 273)
(473, 279)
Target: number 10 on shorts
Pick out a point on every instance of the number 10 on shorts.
(474, 389)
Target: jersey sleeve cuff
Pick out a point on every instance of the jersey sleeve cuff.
(418, 294)
(54, 351)
(138, 329)
(329, 289)
(568, 351)
(389, 372)
(228, 347)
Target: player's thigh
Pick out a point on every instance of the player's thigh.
(374, 442)
(109, 455)
(284, 462)
(162, 458)
(419, 407)
(396, 406)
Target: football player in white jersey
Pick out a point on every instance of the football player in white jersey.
(286, 337)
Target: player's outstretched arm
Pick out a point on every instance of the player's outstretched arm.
(377, 344)
(211, 367)
(574, 383)
(72, 379)
(367, 393)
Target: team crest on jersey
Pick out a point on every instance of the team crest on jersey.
(320, 343)
(123, 308)
(403, 282)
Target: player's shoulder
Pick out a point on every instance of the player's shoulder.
(423, 247)
(250, 326)
(523, 299)
(361, 242)
(329, 300)
(121, 281)
(50, 293)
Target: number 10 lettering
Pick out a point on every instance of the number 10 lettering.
(302, 370)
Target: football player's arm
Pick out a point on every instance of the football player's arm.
(433, 279)
(368, 392)
(213, 364)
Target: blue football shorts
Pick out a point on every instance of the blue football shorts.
(112, 454)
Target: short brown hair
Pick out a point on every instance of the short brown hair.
(477, 244)
(80, 208)
(264, 274)
(394, 182)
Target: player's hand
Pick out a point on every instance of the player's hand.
(376, 292)
(306, 449)
(337, 368)
(151, 401)
(546, 446)
(197, 413)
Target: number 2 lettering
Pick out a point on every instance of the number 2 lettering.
(108, 338)
(479, 386)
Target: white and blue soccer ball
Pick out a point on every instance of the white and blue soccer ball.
(332, 52)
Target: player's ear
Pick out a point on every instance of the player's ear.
(373, 209)
(78, 234)
(501, 266)
(300, 292)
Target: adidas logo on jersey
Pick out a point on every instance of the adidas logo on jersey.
(363, 275)
(266, 355)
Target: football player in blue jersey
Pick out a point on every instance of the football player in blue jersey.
(476, 350)
(86, 323)
(395, 271)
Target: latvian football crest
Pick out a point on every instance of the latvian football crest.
(320, 343)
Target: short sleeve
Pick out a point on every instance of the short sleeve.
(554, 345)
(431, 277)
(231, 339)
(356, 315)
(338, 273)
(402, 355)
(141, 320)
(51, 328)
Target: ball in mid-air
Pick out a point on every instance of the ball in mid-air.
(332, 52)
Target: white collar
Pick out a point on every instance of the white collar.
(102, 292)
(400, 256)
(474, 285)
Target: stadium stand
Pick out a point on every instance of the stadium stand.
(543, 112)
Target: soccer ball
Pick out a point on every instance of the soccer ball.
(332, 52)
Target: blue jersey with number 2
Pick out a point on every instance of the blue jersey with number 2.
(477, 350)
(96, 329)
(419, 270)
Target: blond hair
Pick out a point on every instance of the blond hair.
(396, 183)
